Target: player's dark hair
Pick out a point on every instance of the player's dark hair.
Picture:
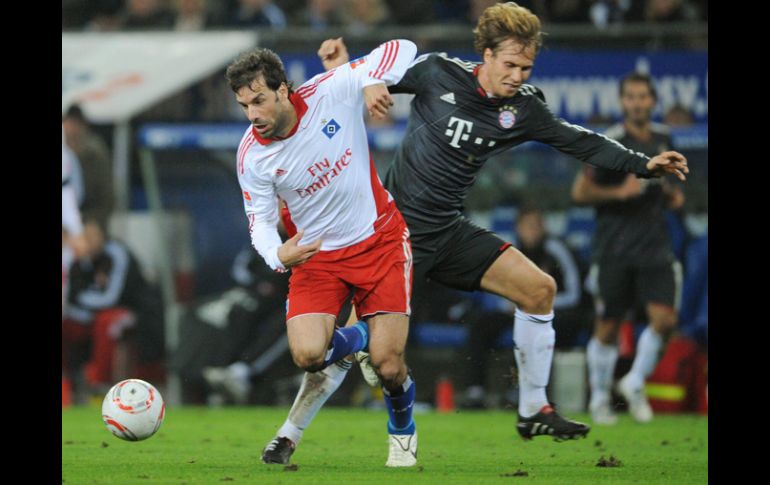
(249, 65)
(504, 21)
(638, 77)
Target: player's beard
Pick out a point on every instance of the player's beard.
(282, 123)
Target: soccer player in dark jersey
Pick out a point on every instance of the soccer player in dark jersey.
(632, 257)
(462, 114)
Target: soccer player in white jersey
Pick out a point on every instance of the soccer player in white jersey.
(306, 151)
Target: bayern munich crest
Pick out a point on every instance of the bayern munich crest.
(506, 119)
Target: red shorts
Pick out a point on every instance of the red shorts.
(378, 270)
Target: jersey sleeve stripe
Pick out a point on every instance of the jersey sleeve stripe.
(394, 55)
(386, 47)
(384, 61)
(304, 91)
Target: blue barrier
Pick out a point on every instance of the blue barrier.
(224, 136)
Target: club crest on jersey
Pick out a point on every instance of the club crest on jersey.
(331, 128)
(247, 196)
(507, 117)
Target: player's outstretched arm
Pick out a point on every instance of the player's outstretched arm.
(669, 162)
(333, 53)
(291, 253)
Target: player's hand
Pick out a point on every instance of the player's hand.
(378, 100)
(291, 253)
(333, 53)
(669, 162)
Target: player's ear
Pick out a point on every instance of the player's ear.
(283, 91)
(488, 54)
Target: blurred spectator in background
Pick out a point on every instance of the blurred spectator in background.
(412, 12)
(321, 15)
(633, 260)
(670, 11)
(75, 14)
(96, 164)
(191, 15)
(678, 115)
(255, 325)
(107, 297)
(567, 11)
(73, 243)
(105, 16)
(365, 15)
(604, 13)
(553, 256)
(477, 7)
(258, 13)
(147, 15)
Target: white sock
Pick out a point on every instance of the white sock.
(647, 354)
(315, 390)
(533, 339)
(601, 366)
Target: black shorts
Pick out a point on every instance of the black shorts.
(457, 256)
(621, 286)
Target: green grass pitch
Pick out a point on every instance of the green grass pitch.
(214, 446)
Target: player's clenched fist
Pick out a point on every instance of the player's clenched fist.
(333, 53)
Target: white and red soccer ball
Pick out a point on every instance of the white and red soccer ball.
(133, 410)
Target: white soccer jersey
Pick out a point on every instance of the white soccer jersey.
(323, 170)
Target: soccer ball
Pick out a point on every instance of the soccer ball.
(133, 410)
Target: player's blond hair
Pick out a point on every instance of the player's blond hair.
(504, 21)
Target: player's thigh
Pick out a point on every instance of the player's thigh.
(458, 257)
(309, 334)
(515, 277)
(314, 302)
(385, 286)
(388, 333)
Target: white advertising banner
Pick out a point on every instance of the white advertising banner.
(115, 76)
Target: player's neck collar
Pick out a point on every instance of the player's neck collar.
(300, 107)
(480, 89)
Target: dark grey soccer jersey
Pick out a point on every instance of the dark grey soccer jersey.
(454, 127)
(633, 230)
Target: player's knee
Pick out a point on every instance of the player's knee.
(308, 360)
(541, 295)
(391, 369)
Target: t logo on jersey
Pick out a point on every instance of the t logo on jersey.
(357, 62)
(461, 132)
(331, 128)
